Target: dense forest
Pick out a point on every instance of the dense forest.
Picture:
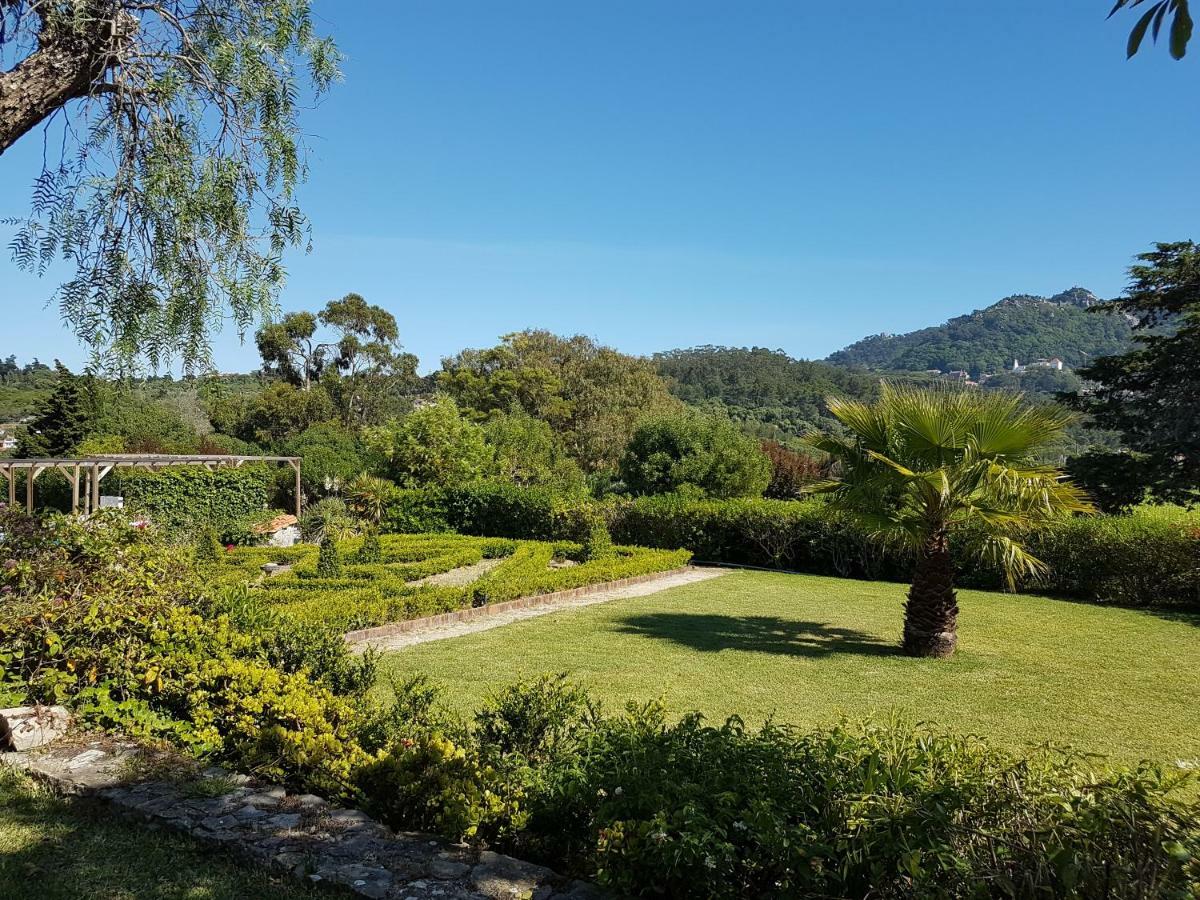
(1022, 327)
(336, 387)
(766, 391)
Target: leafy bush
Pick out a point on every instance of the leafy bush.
(433, 445)
(499, 509)
(416, 511)
(791, 471)
(650, 808)
(431, 783)
(101, 618)
(333, 456)
(535, 719)
(208, 546)
(796, 535)
(705, 453)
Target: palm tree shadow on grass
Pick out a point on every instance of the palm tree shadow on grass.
(759, 634)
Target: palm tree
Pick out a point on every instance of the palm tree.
(942, 469)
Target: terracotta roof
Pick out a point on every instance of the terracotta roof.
(276, 524)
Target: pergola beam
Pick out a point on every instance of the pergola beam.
(96, 467)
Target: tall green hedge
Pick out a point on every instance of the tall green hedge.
(1149, 558)
(183, 496)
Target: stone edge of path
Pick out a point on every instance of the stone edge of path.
(298, 834)
(427, 623)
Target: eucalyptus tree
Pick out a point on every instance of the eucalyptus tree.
(171, 158)
(943, 471)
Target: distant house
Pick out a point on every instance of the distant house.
(1052, 363)
(959, 375)
(8, 438)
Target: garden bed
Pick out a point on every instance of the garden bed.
(396, 588)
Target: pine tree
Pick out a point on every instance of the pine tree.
(62, 420)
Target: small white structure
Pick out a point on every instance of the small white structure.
(1052, 363)
(281, 531)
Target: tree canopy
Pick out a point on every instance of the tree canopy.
(591, 395)
(706, 454)
(173, 157)
(1151, 395)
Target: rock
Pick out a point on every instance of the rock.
(310, 801)
(26, 727)
(218, 823)
(503, 877)
(86, 759)
(283, 821)
(348, 817)
(447, 869)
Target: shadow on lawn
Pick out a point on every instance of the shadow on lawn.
(759, 634)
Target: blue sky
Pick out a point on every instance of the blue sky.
(666, 173)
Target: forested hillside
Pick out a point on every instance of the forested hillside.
(767, 391)
(1022, 327)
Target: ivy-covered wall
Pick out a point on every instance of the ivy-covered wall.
(189, 495)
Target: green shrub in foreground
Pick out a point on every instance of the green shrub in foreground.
(650, 807)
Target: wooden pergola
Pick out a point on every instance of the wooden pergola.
(86, 473)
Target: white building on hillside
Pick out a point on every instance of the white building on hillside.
(1052, 363)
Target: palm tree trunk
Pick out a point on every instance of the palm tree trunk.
(931, 613)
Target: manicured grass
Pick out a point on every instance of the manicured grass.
(57, 849)
(808, 650)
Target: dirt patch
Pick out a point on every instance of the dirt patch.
(461, 576)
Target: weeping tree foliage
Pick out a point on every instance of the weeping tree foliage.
(1179, 33)
(172, 157)
(945, 470)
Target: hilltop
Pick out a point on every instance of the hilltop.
(1022, 327)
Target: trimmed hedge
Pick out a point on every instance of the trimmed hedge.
(1149, 558)
(366, 595)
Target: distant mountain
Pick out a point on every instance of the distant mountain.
(1022, 327)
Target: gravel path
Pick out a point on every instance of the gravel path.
(461, 576)
(440, 633)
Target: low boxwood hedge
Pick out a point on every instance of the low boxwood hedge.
(371, 594)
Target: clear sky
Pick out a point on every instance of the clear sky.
(666, 173)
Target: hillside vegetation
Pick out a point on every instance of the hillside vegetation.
(766, 391)
(1022, 327)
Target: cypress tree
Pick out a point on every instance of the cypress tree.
(329, 561)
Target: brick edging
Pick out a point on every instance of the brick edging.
(361, 635)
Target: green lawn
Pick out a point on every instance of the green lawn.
(57, 849)
(808, 650)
